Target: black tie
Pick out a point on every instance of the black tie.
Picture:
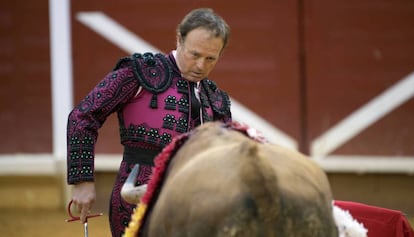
(195, 104)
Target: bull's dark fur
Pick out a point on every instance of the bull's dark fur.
(222, 183)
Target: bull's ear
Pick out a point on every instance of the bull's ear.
(131, 193)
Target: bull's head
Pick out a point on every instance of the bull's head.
(131, 193)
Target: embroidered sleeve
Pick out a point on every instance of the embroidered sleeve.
(226, 116)
(219, 100)
(88, 116)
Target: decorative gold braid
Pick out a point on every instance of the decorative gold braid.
(136, 221)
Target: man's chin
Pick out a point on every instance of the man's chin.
(194, 79)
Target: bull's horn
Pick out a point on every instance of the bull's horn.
(131, 193)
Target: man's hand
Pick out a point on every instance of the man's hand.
(83, 197)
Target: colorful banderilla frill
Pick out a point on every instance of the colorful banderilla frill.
(161, 163)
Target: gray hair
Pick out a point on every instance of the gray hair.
(207, 19)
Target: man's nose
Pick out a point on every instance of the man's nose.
(201, 63)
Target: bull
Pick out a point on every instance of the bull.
(221, 181)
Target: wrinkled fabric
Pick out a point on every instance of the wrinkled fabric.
(380, 222)
(120, 211)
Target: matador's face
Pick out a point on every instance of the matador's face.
(198, 54)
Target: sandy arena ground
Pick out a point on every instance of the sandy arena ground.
(52, 224)
(49, 224)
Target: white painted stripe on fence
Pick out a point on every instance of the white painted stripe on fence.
(46, 164)
(367, 164)
(27, 164)
(242, 114)
(115, 32)
(362, 118)
(61, 72)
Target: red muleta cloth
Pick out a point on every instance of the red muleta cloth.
(380, 222)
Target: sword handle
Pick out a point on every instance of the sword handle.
(76, 218)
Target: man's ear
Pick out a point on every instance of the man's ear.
(180, 40)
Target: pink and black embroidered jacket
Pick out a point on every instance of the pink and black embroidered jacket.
(153, 102)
